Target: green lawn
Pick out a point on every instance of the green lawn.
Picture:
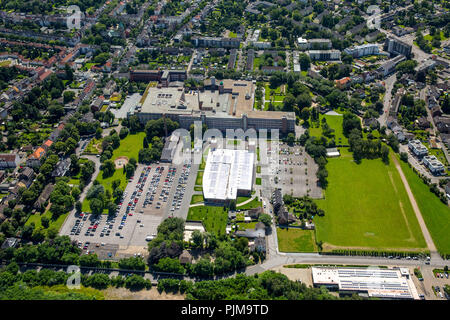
(258, 181)
(198, 188)
(246, 225)
(36, 218)
(242, 199)
(255, 203)
(296, 240)
(196, 198)
(435, 214)
(129, 147)
(94, 146)
(199, 179)
(335, 122)
(258, 169)
(214, 218)
(366, 206)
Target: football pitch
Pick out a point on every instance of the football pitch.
(366, 207)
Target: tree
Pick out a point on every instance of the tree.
(197, 239)
(304, 61)
(96, 206)
(78, 206)
(69, 96)
(404, 156)
(108, 168)
(203, 268)
(45, 221)
(129, 170)
(266, 219)
(385, 154)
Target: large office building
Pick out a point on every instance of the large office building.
(164, 77)
(396, 46)
(224, 105)
(372, 283)
(228, 174)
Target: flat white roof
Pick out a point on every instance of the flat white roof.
(226, 172)
(381, 283)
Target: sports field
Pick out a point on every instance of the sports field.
(435, 214)
(366, 206)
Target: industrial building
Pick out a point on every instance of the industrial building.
(228, 174)
(372, 283)
(224, 105)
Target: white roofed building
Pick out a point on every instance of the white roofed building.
(373, 282)
(228, 174)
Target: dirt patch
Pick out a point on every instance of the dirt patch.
(329, 247)
(121, 162)
(294, 274)
(128, 251)
(152, 294)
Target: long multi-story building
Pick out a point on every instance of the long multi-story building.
(162, 76)
(363, 50)
(324, 55)
(216, 42)
(226, 105)
(314, 44)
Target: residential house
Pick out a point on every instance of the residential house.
(27, 176)
(9, 160)
(34, 159)
(257, 232)
(44, 196)
(442, 124)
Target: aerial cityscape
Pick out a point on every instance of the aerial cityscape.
(224, 150)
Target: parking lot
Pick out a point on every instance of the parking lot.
(296, 172)
(154, 193)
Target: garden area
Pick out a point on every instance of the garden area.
(214, 219)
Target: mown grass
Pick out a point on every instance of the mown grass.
(214, 218)
(366, 206)
(435, 214)
(296, 240)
